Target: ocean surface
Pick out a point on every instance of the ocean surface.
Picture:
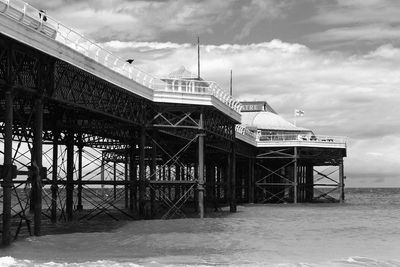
(365, 231)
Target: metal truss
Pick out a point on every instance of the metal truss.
(173, 203)
(74, 86)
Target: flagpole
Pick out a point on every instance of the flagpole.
(198, 58)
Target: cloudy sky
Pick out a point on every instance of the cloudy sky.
(338, 60)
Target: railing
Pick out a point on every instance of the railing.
(198, 87)
(277, 138)
(301, 138)
(33, 18)
(244, 131)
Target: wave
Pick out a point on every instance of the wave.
(349, 262)
(12, 262)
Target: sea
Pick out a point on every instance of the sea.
(365, 231)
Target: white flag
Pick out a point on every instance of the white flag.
(298, 113)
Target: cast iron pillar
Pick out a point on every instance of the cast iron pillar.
(132, 179)
(79, 193)
(115, 178)
(341, 181)
(126, 174)
(153, 172)
(70, 176)
(142, 170)
(200, 185)
(54, 186)
(251, 180)
(37, 165)
(7, 175)
(232, 178)
(295, 178)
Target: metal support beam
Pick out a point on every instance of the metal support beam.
(126, 186)
(153, 170)
(102, 176)
(70, 176)
(37, 165)
(54, 186)
(142, 170)
(232, 178)
(79, 193)
(115, 179)
(132, 179)
(251, 180)
(6, 175)
(295, 176)
(200, 185)
(309, 182)
(341, 181)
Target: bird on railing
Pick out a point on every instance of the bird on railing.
(42, 12)
(130, 61)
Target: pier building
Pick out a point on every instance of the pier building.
(85, 134)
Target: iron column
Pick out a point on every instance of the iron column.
(6, 175)
(200, 185)
(37, 165)
(70, 176)
(54, 186)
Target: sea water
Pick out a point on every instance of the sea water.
(365, 231)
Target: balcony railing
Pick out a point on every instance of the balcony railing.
(33, 18)
(282, 138)
(301, 138)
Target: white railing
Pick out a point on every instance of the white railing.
(244, 131)
(33, 18)
(198, 87)
(301, 138)
(278, 138)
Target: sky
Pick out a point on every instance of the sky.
(337, 60)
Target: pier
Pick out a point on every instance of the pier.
(85, 134)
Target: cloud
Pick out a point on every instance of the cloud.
(138, 20)
(376, 32)
(352, 22)
(353, 95)
(256, 11)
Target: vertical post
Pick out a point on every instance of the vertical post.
(309, 182)
(70, 176)
(200, 185)
(132, 179)
(102, 175)
(7, 175)
(142, 170)
(115, 178)
(341, 181)
(126, 179)
(251, 180)
(54, 186)
(37, 165)
(79, 193)
(295, 177)
(232, 205)
(153, 172)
